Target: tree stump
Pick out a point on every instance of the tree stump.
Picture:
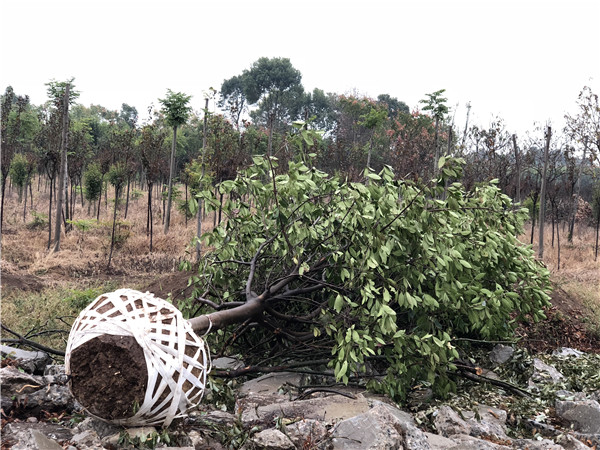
(134, 360)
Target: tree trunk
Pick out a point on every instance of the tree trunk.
(200, 202)
(149, 218)
(112, 237)
(127, 197)
(63, 170)
(543, 196)
(575, 200)
(518, 168)
(50, 214)
(25, 204)
(171, 170)
(558, 243)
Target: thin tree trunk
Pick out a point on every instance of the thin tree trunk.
(31, 195)
(200, 205)
(576, 196)
(543, 196)
(112, 237)
(63, 170)
(25, 203)
(558, 243)
(518, 168)
(171, 171)
(2, 206)
(127, 197)
(50, 214)
(597, 230)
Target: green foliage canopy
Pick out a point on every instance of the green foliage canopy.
(380, 277)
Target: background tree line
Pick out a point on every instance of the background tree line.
(265, 110)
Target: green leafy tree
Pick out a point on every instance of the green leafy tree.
(19, 172)
(92, 181)
(153, 159)
(13, 108)
(381, 277)
(117, 176)
(436, 104)
(273, 84)
(176, 109)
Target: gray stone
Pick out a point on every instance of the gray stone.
(53, 397)
(41, 435)
(227, 362)
(272, 439)
(569, 442)
(487, 422)
(465, 442)
(272, 384)
(327, 409)
(447, 422)
(196, 439)
(15, 382)
(101, 428)
(382, 427)
(85, 437)
(140, 432)
(543, 373)
(567, 351)
(439, 442)
(305, 432)
(31, 362)
(583, 414)
(533, 444)
(501, 354)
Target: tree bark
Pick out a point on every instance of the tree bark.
(171, 171)
(576, 195)
(63, 170)
(518, 168)
(543, 196)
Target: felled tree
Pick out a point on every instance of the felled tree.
(378, 278)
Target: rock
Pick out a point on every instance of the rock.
(41, 435)
(196, 439)
(569, 442)
(87, 437)
(488, 422)
(226, 362)
(382, 427)
(533, 444)
(31, 362)
(140, 432)
(501, 354)
(543, 373)
(583, 414)
(52, 398)
(439, 442)
(447, 422)
(272, 439)
(306, 432)
(327, 409)
(101, 428)
(270, 384)
(567, 351)
(35, 439)
(465, 442)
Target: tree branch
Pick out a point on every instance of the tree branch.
(33, 344)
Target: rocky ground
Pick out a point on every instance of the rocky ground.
(279, 411)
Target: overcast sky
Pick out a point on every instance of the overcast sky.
(525, 61)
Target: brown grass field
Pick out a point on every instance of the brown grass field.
(44, 291)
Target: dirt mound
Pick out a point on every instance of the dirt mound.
(563, 327)
(24, 282)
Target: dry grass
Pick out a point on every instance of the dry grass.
(80, 267)
(78, 272)
(578, 274)
(85, 253)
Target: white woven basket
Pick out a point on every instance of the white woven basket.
(177, 359)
